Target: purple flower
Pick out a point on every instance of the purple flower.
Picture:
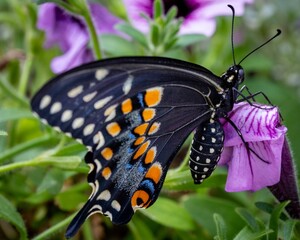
(199, 15)
(262, 130)
(70, 33)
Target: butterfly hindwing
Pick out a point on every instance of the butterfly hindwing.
(133, 114)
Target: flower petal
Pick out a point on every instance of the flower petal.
(255, 124)
(200, 18)
(247, 172)
(70, 33)
(257, 165)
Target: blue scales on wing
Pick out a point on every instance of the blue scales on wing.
(133, 114)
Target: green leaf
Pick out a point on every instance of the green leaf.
(169, 213)
(189, 39)
(158, 9)
(248, 218)
(52, 182)
(67, 163)
(182, 180)
(288, 228)
(154, 34)
(221, 227)
(171, 14)
(134, 33)
(3, 133)
(274, 220)
(10, 114)
(140, 229)
(117, 46)
(202, 208)
(9, 214)
(69, 200)
(247, 233)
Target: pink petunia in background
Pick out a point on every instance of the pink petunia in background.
(261, 128)
(199, 16)
(70, 33)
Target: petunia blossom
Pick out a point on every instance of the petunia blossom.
(70, 33)
(199, 16)
(257, 165)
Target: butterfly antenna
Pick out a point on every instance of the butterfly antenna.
(232, 28)
(276, 35)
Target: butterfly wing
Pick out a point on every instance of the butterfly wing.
(133, 114)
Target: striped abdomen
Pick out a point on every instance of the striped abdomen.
(206, 149)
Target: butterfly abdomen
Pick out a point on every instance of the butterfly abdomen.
(206, 149)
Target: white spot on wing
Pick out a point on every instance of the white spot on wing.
(77, 123)
(91, 167)
(108, 214)
(98, 165)
(101, 74)
(110, 112)
(57, 129)
(127, 85)
(55, 108)
(100, 103)
(68, 134)
(44, 121)
(45, 101)
(95, 188)
(75, 91)
(66, 116)
(88, 129)
(105, 195)
(116, 205)
(89, 96)
(101, 140)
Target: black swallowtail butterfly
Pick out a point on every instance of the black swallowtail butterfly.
(133, 114)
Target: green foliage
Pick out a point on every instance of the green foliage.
(43, 177)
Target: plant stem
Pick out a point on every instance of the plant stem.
(24, 146)
(25, 74)
(54, 229)
(93, 34)
(10, 91)
(287, 187)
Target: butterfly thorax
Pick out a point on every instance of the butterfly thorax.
(231, 80)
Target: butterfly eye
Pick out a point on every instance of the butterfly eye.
(241, 75)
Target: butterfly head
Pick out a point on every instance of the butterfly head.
(233, 77)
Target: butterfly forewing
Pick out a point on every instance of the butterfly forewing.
(133, 114)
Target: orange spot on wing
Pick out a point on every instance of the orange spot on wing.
(150, 155)
(107, 153)
(148, 114)
(106, 173)
(154, 173)
(127, 106)
(154, 128)
(141, 129)
(153, 96)
(142, 149)
(139, 140)
(140, 199)
(113, 129)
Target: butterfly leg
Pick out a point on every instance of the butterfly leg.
(242, 138)
(206, 149)
(251, 96)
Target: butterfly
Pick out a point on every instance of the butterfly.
(133, 114)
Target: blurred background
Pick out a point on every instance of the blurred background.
(36, 196)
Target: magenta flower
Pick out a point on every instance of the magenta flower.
(198, 15)
(70, 33)
(262, 130)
